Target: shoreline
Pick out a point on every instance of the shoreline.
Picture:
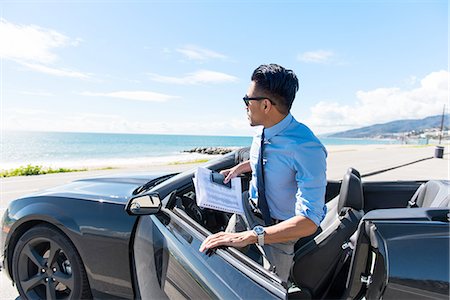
(139, 163)
(115, 163)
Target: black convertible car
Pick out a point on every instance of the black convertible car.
(138, 237)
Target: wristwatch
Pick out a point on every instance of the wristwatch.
(259, 231)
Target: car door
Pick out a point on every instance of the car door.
(168, 265)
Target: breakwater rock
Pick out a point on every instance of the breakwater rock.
(211, 150)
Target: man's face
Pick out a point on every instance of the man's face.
(255, 109)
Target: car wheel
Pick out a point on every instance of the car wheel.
(46, 265)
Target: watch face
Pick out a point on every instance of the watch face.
(259, 230)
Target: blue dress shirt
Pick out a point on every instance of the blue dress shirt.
(294, 171)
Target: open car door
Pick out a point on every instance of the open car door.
(168, 265)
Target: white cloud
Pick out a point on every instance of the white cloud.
(383, 105)
(133, 95)
(42, 120)
(319, 56)
(56, 72)
(34, 47)
(29, 42)
(201, 76)
(193, 52)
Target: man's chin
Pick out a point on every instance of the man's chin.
(251, 122)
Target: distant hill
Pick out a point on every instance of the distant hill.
(394, 127)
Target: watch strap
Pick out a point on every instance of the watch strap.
(261, 239)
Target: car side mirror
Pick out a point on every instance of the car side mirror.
(146, 204)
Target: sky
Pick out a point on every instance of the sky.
(182, 67)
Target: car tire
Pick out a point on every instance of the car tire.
(46, 265)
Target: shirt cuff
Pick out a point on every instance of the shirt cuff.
(303, 210)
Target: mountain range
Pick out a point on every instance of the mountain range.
(395, 127)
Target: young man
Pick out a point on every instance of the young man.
(288, 164)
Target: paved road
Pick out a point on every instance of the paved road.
(339, 160)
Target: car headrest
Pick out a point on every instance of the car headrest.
(241, 155)
(354, 172)
(351, 194)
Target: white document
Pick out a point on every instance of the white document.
(216, 196)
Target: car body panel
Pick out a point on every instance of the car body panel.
(116, 189)
(91, 214)
(409, 277)
(406, 254)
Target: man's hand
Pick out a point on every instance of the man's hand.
(237, 240)
(235, 171)
(229, 174)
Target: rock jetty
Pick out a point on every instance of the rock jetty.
(210, 150)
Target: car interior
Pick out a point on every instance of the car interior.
(326, 255)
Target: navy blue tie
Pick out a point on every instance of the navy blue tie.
(262, 201)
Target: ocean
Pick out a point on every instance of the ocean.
(68, 149)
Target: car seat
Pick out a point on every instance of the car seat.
(434, 193)
(317, 260)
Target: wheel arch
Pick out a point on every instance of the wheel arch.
(79, 220)
(25, 227)
(55, 234)
(37, 214)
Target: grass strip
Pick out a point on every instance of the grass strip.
(196, 161)
(35, 170)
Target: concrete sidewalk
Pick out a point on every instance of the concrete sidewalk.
(371, 158)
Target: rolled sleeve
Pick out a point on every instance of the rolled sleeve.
(314, 210)
(310, 166)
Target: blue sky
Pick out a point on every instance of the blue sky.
(182, 67)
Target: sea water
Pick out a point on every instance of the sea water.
(63, 149)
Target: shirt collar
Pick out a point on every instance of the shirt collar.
(277, 128)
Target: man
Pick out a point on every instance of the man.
(288, 165)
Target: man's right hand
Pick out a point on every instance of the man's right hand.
(229, 173)
(235, 171)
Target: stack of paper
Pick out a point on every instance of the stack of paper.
(217, 196)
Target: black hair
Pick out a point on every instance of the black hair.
(278, 82)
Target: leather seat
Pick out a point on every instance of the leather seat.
(434, 193)
(316, 260)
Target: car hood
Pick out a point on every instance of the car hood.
(115, 189)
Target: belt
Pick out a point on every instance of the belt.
(257, 212)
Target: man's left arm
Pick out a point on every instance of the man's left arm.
(291, 229)
(310, 168)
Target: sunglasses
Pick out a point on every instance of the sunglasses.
(247, 99)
